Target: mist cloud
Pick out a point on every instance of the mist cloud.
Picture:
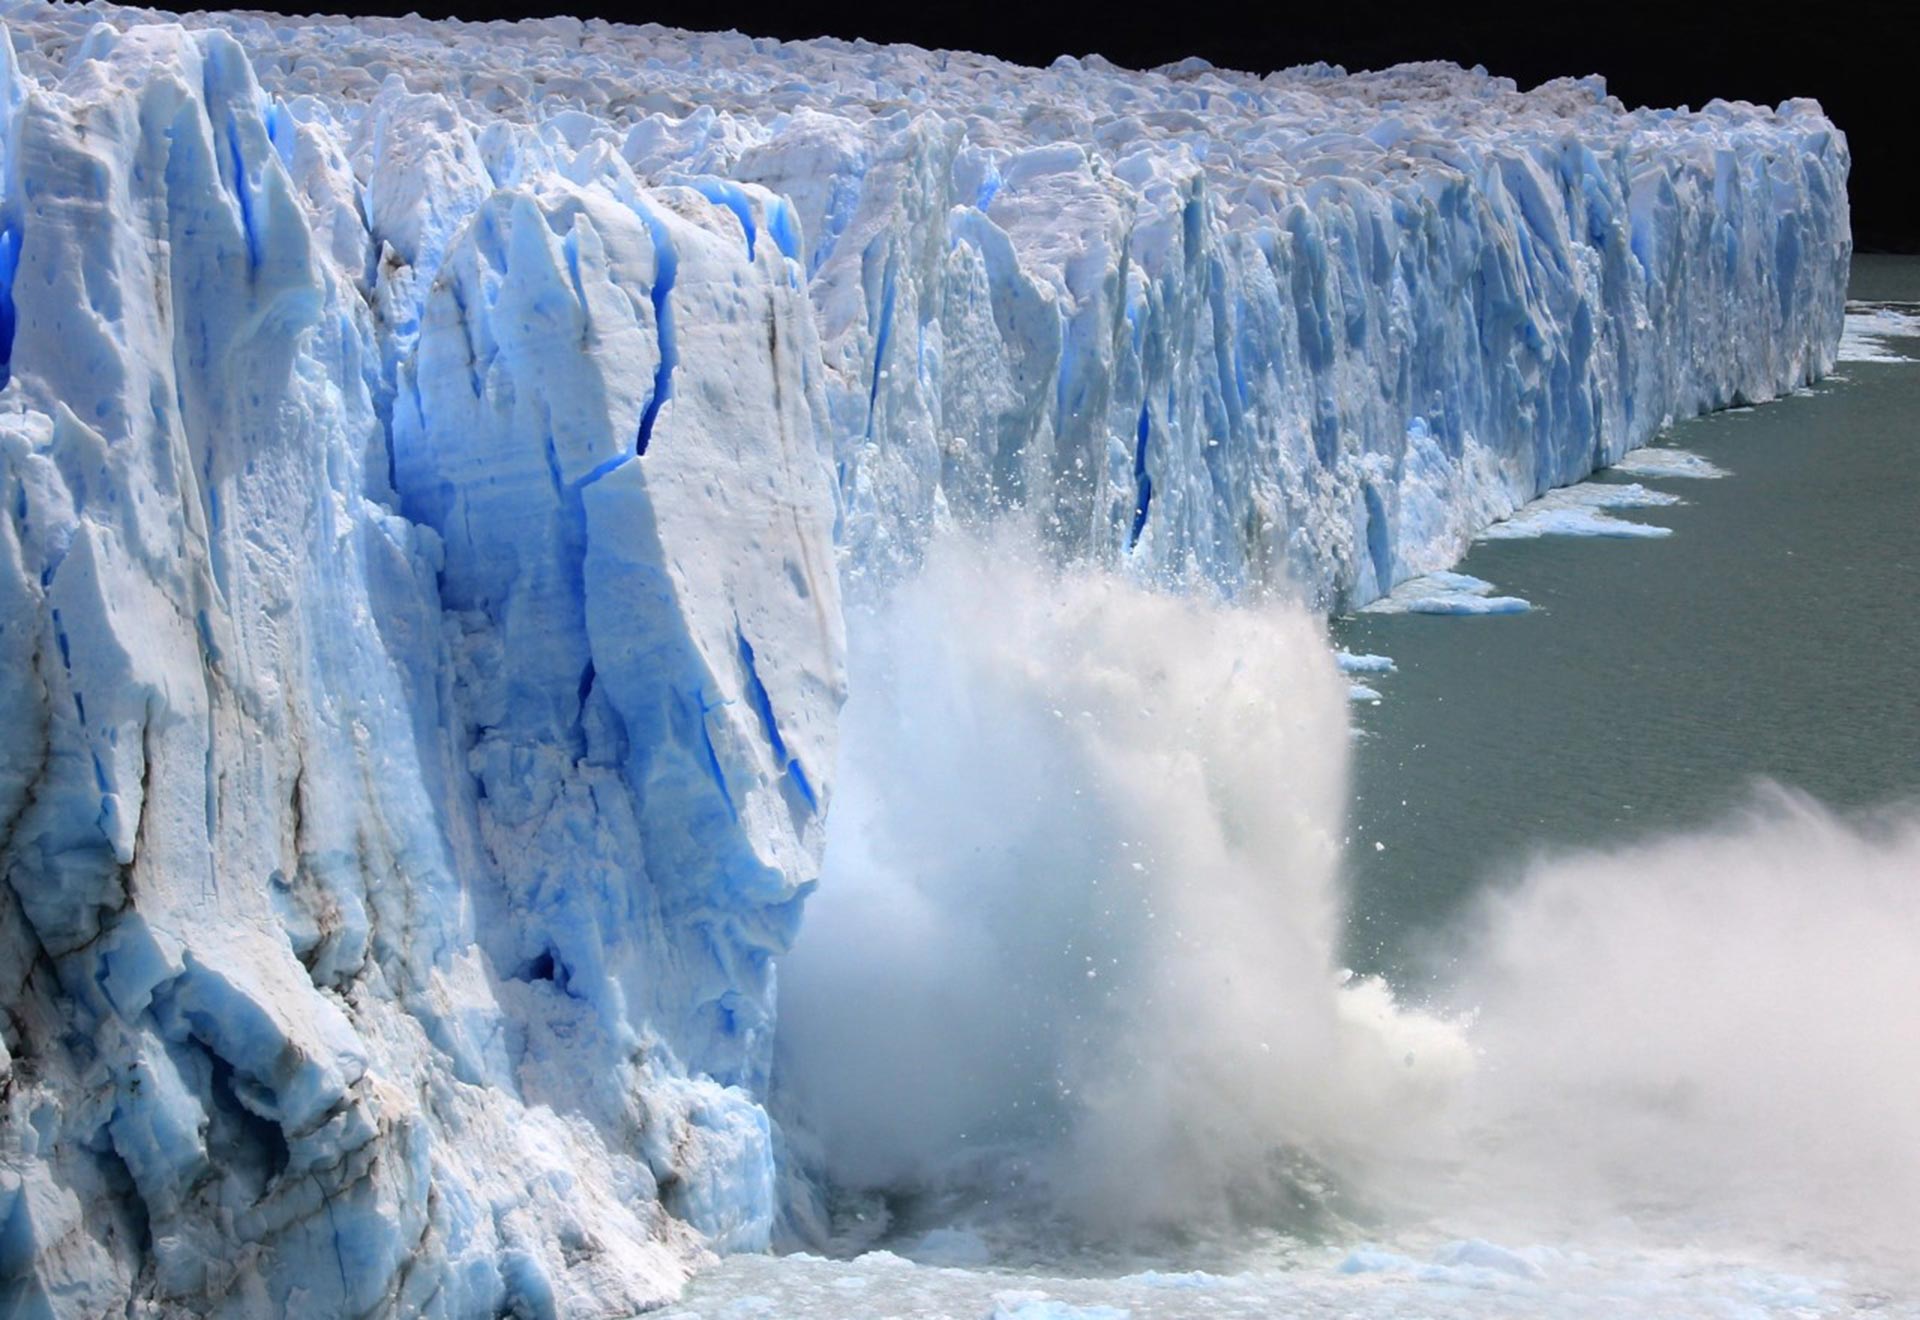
(1080, 926)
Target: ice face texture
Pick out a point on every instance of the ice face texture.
(432, 458)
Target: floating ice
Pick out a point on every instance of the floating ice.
(1363, 664)
(1664, 463)
(950, 1246)
(1447, 593)
(1872, 329)
(1459, 1279)
(1581, 511)
(1036, 1305)
(1184, 1279)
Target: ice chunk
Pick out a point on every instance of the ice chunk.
(1030, 1305)
(1447, 593)
(1479, 1254)
(1880, 332)
(1181, 1280)
(1665, 463)
(1582, 511)
(950, 1246)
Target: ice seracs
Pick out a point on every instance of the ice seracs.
(432, 459)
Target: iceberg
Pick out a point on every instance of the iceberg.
(1350, 663)
(436, 458)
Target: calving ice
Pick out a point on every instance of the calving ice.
(434, 460)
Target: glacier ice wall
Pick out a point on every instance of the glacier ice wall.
(432, 458)
(419, 728)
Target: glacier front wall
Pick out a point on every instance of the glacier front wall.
(428, 498)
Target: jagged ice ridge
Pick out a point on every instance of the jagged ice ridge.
(433, 457)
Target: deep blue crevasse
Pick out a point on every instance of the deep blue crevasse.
(9, 263)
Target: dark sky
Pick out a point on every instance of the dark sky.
(1861, 60)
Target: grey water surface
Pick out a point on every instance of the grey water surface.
(1775, 635)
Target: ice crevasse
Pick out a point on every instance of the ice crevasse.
(433, 457)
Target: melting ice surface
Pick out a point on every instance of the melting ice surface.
(435, 465)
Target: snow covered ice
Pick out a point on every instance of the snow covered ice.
(434, 458)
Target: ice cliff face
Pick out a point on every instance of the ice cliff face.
(432, 456)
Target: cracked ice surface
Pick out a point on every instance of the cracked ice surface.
(431, 457)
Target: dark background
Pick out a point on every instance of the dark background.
(1861, 60)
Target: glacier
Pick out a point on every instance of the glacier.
(437, 459)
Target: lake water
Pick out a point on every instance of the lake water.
(1773, 635)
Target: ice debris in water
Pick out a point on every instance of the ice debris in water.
(1446, 593)
(1028, 1304)
(1582, 511)
(432, 458)
(1665, 463)
(1881, 332)
(1455, 1278)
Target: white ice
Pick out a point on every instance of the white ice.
(1664, 463)
(1454, 1279)
(1446, 593)
(1880, 332)
(1582, 511)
